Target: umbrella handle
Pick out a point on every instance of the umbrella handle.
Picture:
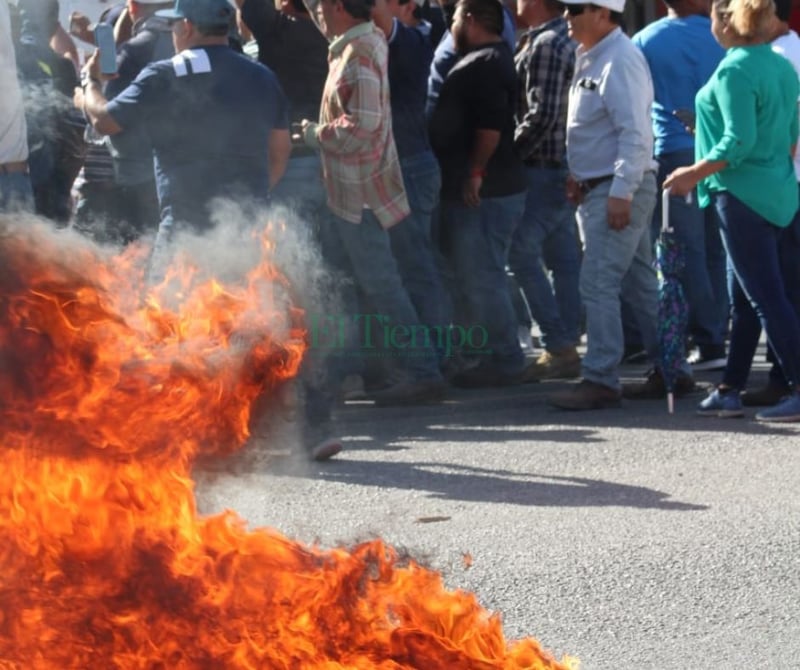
(665, 227)
(665, 196)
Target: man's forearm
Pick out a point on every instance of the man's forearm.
(483, 149)
(94, 106)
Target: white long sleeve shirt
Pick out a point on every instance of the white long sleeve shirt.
(609, 131)
(13, 131)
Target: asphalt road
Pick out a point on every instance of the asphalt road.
(628, 538)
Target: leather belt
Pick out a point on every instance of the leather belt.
(551, 163)
(588, 184)
(14, 167)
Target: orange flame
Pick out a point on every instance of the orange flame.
(106, 399)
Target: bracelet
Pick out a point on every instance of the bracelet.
(477, 172)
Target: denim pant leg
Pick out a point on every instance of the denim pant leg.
(16, 192)
(752, 246)
(479, 247)
(412, 242)
(609, 256)
(788, 255)
(301, 187)
(546, 239)
(707, 318)
(396, 327)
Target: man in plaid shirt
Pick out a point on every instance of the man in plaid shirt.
(546, 238)
(365, 188)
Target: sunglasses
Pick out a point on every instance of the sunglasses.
(576, 10)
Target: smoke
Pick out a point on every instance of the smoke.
(34, 253)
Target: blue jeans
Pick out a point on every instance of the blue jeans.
(617, 264)
(703, 277)
(301, 188)
(412, 242)
(480, 238)
(760, 295)
(361, 252)
(547, 238)
(16, 192)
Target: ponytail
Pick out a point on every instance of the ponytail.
(749, 18)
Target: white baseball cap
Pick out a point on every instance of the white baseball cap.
(613, 5)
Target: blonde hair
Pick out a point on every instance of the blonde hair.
(749, 18)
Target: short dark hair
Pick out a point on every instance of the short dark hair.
(783, 10)
(488, 13)
(359, 9)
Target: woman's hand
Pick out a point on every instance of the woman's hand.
(682, 181)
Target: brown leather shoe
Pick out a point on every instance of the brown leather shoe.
(654, 388)
(586, 395)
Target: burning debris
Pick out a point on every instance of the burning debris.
(107, 396)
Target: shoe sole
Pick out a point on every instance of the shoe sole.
(792, 418)
(721, 413)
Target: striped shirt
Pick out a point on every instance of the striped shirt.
(545, 62)
(359, 158)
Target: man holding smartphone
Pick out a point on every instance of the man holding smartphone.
(195, 108)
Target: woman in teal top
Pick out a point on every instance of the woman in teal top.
(747, 127)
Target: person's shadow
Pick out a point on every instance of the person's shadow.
(467, 483)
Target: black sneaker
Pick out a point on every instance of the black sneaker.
(654, 388)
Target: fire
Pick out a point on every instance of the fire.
(107, 397)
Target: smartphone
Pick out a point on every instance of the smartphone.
(104, 39)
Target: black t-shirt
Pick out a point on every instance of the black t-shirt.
(295, 50)
(478, 94)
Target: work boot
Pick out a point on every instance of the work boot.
(586, 395)
(557, 364)
(654, 387)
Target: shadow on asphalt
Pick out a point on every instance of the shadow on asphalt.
(471, 484)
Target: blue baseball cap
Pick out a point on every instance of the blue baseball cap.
(200, 12)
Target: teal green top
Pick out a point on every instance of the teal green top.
(747, 116)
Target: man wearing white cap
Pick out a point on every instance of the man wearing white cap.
(610, 157)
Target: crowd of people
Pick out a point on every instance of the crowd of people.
(468, 168)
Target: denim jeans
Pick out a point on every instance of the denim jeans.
(361, 252)
(412, 242)
(788, 255)
(760, 295)
(16, 192)
(301, 188)
(480, 238)
(617, 264)
(703, 278)
(547, 239)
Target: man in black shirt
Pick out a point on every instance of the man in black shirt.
(483, 187)
(291, 45)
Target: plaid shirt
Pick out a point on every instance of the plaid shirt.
(359, 158)
(545, 62)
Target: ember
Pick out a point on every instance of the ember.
(106, 399)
